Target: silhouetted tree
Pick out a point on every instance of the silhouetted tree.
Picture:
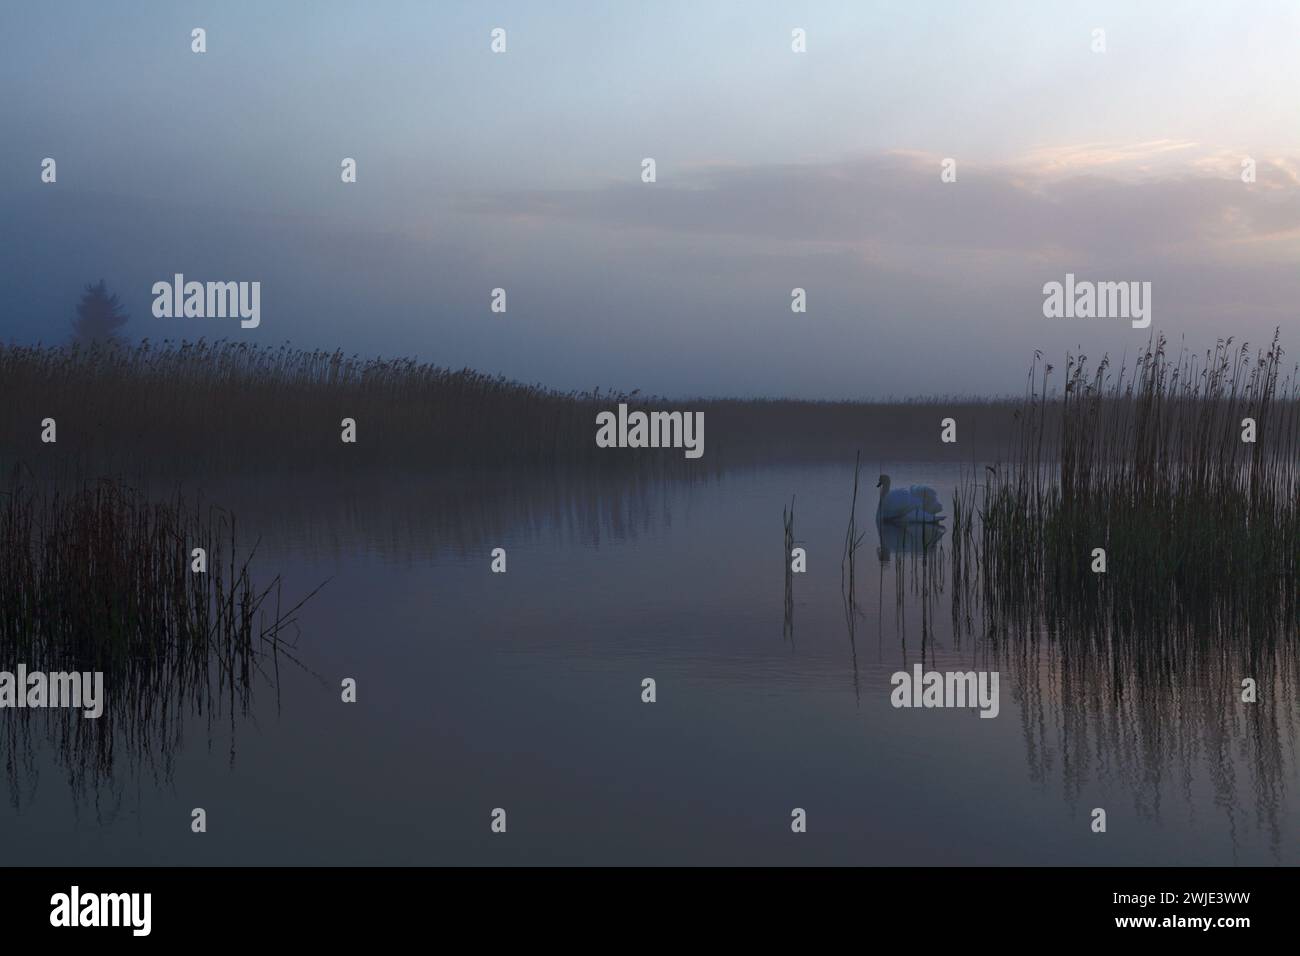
(99, 316)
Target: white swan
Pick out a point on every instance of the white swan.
(919, 503)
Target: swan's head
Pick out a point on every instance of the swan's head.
(883, 484)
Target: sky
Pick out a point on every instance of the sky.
(775, 170)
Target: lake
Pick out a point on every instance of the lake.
(523, 691)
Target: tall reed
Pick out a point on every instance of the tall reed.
(1148, 464)
(102, 579)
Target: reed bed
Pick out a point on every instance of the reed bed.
(1140, 672)
(100, 579)
(224, 406)
(215, 404)
(1149, 464)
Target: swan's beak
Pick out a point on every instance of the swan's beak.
(877, 483)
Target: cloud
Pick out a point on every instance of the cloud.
(1095, 203)
(1119, 159)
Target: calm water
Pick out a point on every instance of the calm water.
(523, 691)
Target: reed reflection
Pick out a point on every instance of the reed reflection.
(156, 597)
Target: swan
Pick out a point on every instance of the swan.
(919, 503)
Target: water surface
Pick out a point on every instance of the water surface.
(523, 691)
